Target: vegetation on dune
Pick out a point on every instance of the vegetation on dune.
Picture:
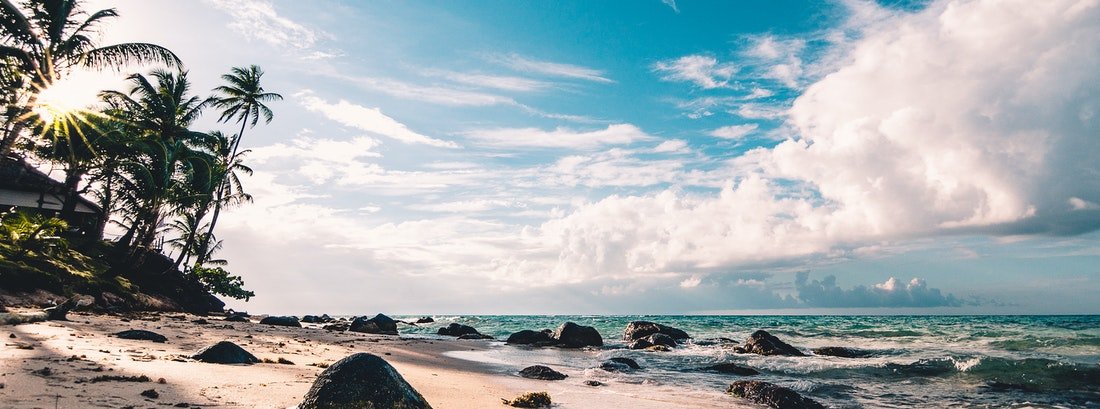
(155, 178)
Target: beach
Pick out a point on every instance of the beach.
(78, 350)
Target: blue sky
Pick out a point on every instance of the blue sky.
(658, 156)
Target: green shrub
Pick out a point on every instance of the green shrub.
(218, 281)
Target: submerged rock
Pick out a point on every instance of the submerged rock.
(542, 372)
(225, 352)
(571, 335)
(772, 395)
(731, 368)
(379, 324)
(457, 330)
(287, 321)
(842, 352)
(362, 380)
(536, 338)
(141, 335)
(652, 340)
(475, 336)
(636, 330)
(619, 364)
(763, 343)
(425, 320)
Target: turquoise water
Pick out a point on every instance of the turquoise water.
(919, 361)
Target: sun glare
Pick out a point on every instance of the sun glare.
(63, 98)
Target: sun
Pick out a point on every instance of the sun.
(63, 98)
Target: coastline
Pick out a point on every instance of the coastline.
(80, 349)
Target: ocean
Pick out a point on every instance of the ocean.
(916, 361)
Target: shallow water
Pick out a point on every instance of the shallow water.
(918, 361)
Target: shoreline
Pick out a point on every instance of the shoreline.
(80, 349)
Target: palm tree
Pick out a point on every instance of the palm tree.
(243, 99)
(44, 40)
(167, 164)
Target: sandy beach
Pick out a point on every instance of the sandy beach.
(52, 364)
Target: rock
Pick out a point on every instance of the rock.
(457, 330)
(763, 343)
(236, 318)
(150, 393)
(380, 324)
(593, 383)
(200, 321)
(842, 352)
(311, 319)
(362, 380)
(619, 364)
(772, 395)
(339, 326)
(542, 372)
(530, 400)
(653, 339)
(60, 311)
(721, 341)
(11, 335)
(536, 338)
(475, 336)
(225, 352)
(636, 330)
(658, 348)
(729, 368)
(570, 335)
(287, 321)
(143, 335)
(425, 320)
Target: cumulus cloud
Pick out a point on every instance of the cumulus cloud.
(702, 70)
(734, 131)
(367, 119)
(983, 120)
(616, 134)
(892, 293)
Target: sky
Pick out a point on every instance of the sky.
(657, 157)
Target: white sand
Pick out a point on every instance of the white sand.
(81, 349)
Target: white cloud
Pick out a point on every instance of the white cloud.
(691, 282)
(734, 131)
(778, 58)
(702, 70)
(995, 136)
(503, 82)
(672, 146)
(617, 134)
(468, 206)
(523, 64)
(671, 4)
(426, 93)
(367, 119)
(258, 20)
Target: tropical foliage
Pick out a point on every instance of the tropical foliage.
(137, 154)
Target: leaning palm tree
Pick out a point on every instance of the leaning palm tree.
(244, 100)
(43, 40)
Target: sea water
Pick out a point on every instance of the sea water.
(917, 361)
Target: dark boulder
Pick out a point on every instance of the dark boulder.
(236, 318)
(457, 330)
(475, 336)
(570, 335)
(842, 352)
(287, 321)
(142, 335)
(60, 312)
(225, 352)
(311, 319)
(653, 339)
(763, 343)
(636, 330)
(362, 380)
(425, 320)
(734, 369)
(338, 326)
(619, 364)
(536, 338)
(772, 395)
(542, 372)
(379, 324)
(593, 383)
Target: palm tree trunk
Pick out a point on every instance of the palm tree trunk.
(9, 140)
(72, 182)
(191, 236)
(221, 195)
